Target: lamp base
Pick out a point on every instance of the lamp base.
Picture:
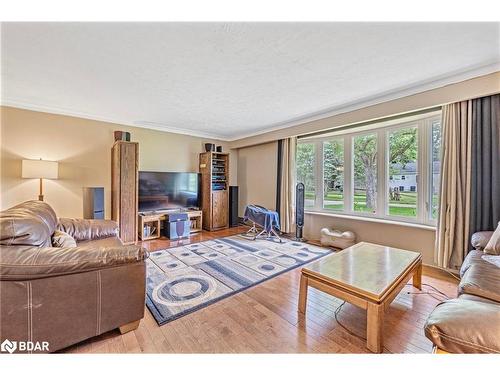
(40, 195)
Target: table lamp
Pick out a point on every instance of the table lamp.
(40, 169)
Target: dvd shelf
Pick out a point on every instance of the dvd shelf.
(214, 169)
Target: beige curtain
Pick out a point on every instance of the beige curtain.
(287, 191)
(452, 239)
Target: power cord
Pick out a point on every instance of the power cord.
(337, 312)
(430, 294)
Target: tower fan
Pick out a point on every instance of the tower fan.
(299, 212)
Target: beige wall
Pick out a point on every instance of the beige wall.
(395, 235)
(83, 149)
(257, 175)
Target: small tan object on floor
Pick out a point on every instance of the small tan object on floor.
(367, 275)
(337, 239)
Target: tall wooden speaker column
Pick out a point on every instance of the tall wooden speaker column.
(124, 188)
(214, 169)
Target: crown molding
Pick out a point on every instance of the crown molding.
(137, 124)
(362, 102)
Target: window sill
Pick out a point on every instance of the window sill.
(372, 219)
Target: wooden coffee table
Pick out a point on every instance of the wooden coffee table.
(367, 275)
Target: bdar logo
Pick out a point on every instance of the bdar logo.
(8, 346)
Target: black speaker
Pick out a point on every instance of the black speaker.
(210, 147)
(93, 203)
(233, 206)
(299, 211)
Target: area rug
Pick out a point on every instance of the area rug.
(184, 279)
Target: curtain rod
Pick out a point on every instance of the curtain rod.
(369, 122)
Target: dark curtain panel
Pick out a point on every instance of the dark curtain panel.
(485, 168)
(279, 175)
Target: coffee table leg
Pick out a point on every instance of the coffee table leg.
(374, 329)
(303, 294)
(417, 277)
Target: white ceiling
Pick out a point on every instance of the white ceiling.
(230, 80)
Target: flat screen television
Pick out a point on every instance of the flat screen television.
(168, 191)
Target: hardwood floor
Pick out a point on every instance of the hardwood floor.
(264, 319)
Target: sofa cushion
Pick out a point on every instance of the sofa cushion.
(493, 245)
(85, 230)
(62, 239)
(493, 259)
(474, 257)
(103, 242)
(480, 239)
(30, 223)
(482, 280)
(465, 326)
(25, 263)
(471, 297)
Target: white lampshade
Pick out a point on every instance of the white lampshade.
(40, 169)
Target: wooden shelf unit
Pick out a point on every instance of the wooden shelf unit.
(196, 220)
(151, 221)
(214, 169)
(156, 218)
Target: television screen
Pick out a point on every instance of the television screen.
(168, 190)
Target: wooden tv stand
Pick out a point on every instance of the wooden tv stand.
(154, 219)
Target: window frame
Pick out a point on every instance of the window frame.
(381, 130)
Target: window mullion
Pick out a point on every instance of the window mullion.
(348, 174)
(381, 175)
(423, 170)
(318, 206)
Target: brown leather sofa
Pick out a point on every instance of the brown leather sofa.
(471, 322)
(63, 295)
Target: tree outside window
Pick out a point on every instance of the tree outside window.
(333, 174)
(365, 173)
(306, 166)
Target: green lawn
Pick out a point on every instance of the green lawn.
(309, 195)
(335, 207)
(403, 211)
(407, 199)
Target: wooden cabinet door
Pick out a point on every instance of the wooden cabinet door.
(220, 209)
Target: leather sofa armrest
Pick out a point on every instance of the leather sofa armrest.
(480, 239)
(37, 263)
(465, 326)
(86, 230)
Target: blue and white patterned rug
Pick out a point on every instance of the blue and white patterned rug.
(184, 279)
